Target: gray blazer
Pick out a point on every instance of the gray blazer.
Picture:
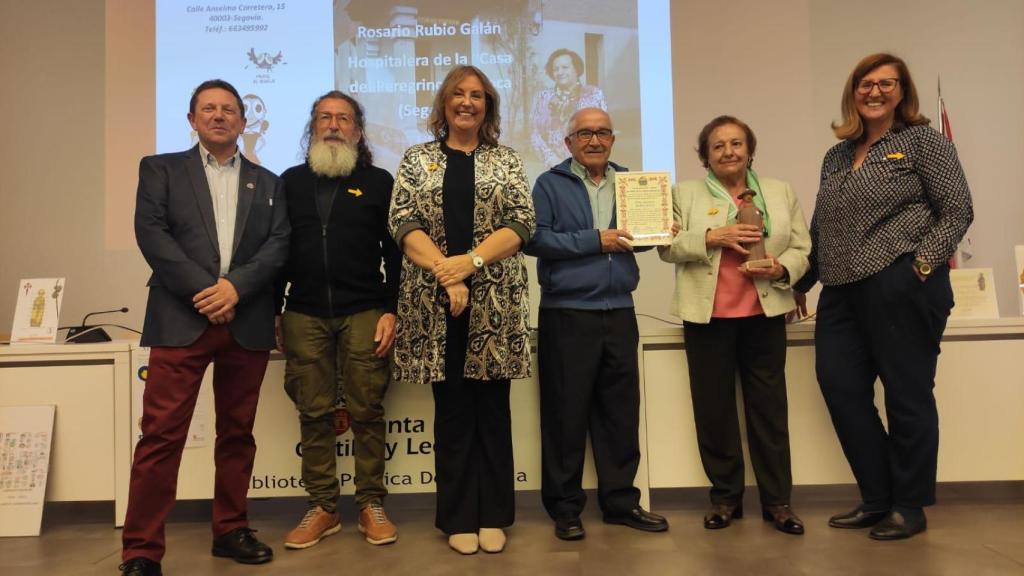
(175, 229)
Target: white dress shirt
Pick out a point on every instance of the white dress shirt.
(223, 182)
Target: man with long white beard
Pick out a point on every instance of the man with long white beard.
(339, 319)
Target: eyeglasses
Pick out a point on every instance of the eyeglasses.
(885, 85)
(603, 135)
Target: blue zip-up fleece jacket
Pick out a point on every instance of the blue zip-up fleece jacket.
(571, 269)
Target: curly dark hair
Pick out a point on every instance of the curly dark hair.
(577, 62)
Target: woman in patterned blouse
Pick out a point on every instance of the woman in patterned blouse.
(460, 212)
(892, 206)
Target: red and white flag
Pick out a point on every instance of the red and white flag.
(965, 250)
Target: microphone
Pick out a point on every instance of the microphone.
(84, 333)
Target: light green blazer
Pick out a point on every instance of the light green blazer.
(697, 211)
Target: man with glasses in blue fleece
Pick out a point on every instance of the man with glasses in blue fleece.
(587, 338)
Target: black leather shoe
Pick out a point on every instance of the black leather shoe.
(242, 546)
(140, 567)
(721, 515)
(638, 518)
(569, 528)
(857, 518)
(897, 526)
(784, 518)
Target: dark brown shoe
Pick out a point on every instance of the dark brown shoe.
(784, 518)
(721, 515)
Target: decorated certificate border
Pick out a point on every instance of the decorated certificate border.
(643, 206)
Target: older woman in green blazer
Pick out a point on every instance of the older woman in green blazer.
(734, 319)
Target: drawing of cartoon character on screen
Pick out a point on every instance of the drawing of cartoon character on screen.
(256, 125)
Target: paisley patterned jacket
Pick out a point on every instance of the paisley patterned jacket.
(498, 337)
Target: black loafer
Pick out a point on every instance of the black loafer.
(140, 567)
(898, 526)
(720, 515)
(569, 528)
(241, 546)
(857, 518)
(784, 518)
(639, 519)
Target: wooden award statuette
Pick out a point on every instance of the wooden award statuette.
(749, 214)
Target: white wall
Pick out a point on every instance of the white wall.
(52, 161)
(778, 65)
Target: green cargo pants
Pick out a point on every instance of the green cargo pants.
(320, 353)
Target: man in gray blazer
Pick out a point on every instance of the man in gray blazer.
(213, 228)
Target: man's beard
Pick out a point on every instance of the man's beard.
(332, 160)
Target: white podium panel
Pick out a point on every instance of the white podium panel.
(87, 383)
(980, 397)
(409, 410)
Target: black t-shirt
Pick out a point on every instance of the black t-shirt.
(458, 200)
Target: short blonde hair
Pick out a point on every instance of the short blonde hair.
(491, 127)
(907, 113)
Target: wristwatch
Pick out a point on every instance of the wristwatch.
(478, 262)
(923, 268)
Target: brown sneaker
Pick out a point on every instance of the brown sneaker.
(316, 524)
(376, 526)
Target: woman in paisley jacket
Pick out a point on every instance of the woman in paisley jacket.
(461, 211)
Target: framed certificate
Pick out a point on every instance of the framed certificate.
(643, 206)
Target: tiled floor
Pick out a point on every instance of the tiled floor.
(973, 535)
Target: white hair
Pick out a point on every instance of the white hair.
(570, 126)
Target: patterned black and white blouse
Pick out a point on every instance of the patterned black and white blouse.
(909, 196)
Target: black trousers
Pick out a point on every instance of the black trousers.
(473, 463)
(755, 347)
(589, 380)
(889, 326)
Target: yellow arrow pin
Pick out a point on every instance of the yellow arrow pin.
(355, 192)
(895, 156)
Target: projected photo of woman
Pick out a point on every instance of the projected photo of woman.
(553, 107)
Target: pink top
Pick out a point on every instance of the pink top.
(736, 294)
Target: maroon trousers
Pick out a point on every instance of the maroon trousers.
(172, 386)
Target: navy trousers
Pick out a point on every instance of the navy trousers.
(889, 326)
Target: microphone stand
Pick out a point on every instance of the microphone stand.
(86, 334)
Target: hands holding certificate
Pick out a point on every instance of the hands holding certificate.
(643, 206)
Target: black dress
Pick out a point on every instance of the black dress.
(457, 205)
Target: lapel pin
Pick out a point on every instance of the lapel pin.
(895, 156)
(712, 211)
(355, 192)
(250, 186)
(432, 167)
